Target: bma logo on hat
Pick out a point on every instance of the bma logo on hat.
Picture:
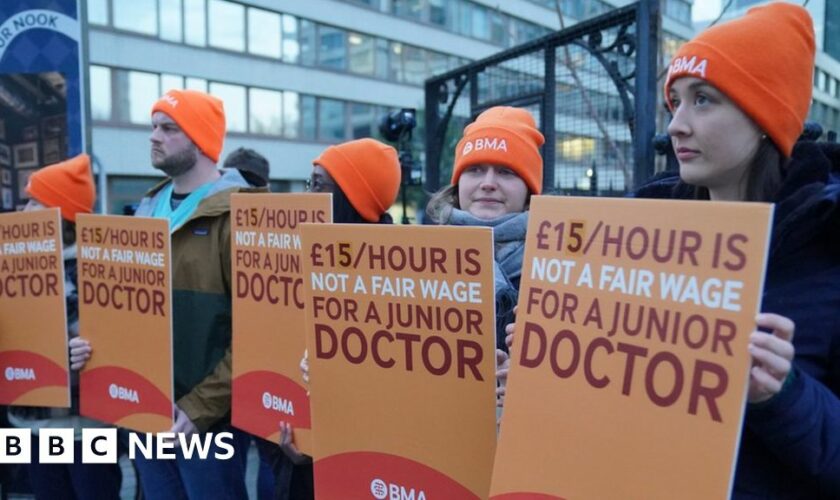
(691, 66)
(493, 143)
(171, 100)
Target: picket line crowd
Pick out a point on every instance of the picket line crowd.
(738, 93)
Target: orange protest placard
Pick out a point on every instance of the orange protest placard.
(630, 362)
(401, 340)
(125, 302)
(268, 311)
(33, 317)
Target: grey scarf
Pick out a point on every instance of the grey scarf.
(509, 238)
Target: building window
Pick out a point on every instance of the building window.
(331, 120)
(480, 22)
(265, 114)
(395, 63)
(170, 20)
(136, 15)
(199, 84)
(97, 12)
(307, 42)
(361, 120)
(412, 9)
(332, 48)
(382, 58)
(227, 25)
(143, 90)
(169, 82)
(264, 30)
(233, 97)
(438, 12)
(361, 54)
(195, 22)
(308, 117)
(100, 92)
(291, 115)
(291, 46)
(414, 65)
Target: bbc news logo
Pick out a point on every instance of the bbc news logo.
(99, 446)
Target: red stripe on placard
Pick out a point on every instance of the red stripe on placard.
(367, 474)
(525, 496)
(262, 399)
(110, 393)
(25, 371)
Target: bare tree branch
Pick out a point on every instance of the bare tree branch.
(619, 154)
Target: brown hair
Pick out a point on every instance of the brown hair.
(763, 176)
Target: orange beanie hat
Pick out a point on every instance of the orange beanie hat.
(763, 61)
(67, 185)
(367, 171)
(503, 136)
(201, 116)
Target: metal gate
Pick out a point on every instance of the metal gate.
(591, 88)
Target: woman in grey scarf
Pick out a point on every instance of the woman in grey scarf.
(497, 168)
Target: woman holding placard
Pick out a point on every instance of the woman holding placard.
(363, 177)
(69, 186)
(739, 94)
(497, 168)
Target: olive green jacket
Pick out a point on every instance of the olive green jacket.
(201, 301)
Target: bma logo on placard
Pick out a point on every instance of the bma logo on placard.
(14, 373)
(123, 393)
(276, 403)
(390, 491)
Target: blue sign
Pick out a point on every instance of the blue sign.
(42, 84)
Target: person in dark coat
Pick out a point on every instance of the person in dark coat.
(739, 94)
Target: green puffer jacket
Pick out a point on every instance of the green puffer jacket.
(201, 301)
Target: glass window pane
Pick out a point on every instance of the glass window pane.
(480, 22)
(361, 54)
(291, 47)
(136, 15)
(199, 84)
(227, 25)
(143, 91)
(382, 57)
(265, 112)
(169, 82)
(332, 47)
(395, 62)
(498, 28)
(233, 97)
(438, 63)
(412, 9)
(307, 117)
(361, 120)
(100, 92)
(195, 22)
(414, 59)
(170, 20)
(97, 12)
(264, 33)
(307, 42)
(437, 12)
(331, 120)
(291, 115)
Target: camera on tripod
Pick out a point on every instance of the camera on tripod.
(397, 126)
